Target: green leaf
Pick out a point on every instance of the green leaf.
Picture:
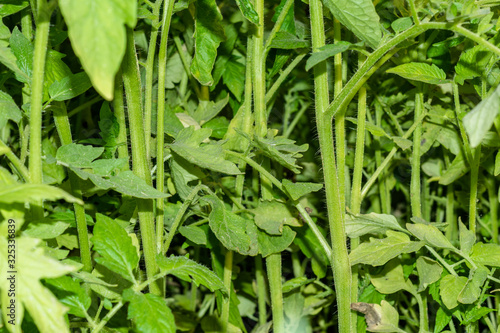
(478, 121)
(282, 150)
(194, 234)
(45, 309)
(402, 142)
(401, 24)
(474, 314)
(359, 16)
(46, 228)
(70, 293)
(97, 33)
(149, 312)
(299, 189)
(472, 63)
(209, 156)
(442, 320)
(10, 110)
(24, 193)
(429, 271)
(295, 283)
(229, 228)
(486, 254)
(373, 129)
(391, 279)
(11, 7)
(219, 126)
(8, 59)
(248, 11)
(421, 72)
(70, 87)
(78, 155)
(269, 244)
(326, 52)
(472, 290)
(379, 251)
(207, 110)
(310, 247)
(430, 234)
(373, 223)
(189, 270)
(272, 215)
(450, 288)
(115, 246)
(379, 318)
(467, 238)
(23, 50)
(234, 77)
(127, 182)
(288, 41)
(455, 170)
(209, 33)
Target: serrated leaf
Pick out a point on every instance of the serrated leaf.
(127, 182)
(474, 314)
(269, 244)
(10, 110)
(209, 33)
(288, 41)
(362, 224)
(359, 16)
(159, 318)
(207, 110)
(379, 251)
(299, 189)
(70, 293)
(430, 234)
(282, 150)
(229, 228)
(450, 288)
(115, 246)
(326, 52)
(429, 271)
(189, 270)
(70, 87)
(472, 289)
(271, 216)
(472, 63)
(248, 11)
(45, 309)
(421, 72)
(97, 32)
(209, 156)
(24, 193)
(478, 121)
(486, 254)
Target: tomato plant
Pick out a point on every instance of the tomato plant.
(249, 166)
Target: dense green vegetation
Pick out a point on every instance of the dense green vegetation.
(249, 166)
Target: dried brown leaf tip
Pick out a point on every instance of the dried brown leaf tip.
(371, 312)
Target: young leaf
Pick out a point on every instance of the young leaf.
(115, 246)
(45, 309)
(10, 110)
(229, 228)
(362, 224)
(298, 190)
(430, 234)
(326, 52)
(189, 270)
(209, 33)
(288, 41)
(97, 33)
(472, 290)
(450, 288)
(379, 251)
(209, 156)
(149, 312)
(359, 16)
(282, 150)
(421, 72)
(486, 254)
(248, 11)
(478, 121)
(23, 50)
(70, 87)
(474, 314)
(71, 294)
(401, 24)
(272, 215)
(429, 271)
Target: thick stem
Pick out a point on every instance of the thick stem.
(119, 111)
(228, 273)
(474, 174)
(61, 121)
(340, 257)
(416, 206)
(132, 84)
(35, 143)
(273, 262)
(16, 162)
(261, 290)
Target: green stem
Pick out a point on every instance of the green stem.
(228, 272)
(284, 74)
(273, 262)
(416, 206)
(61, 121)
(463, 134)
(386, 161)
(160, 114)
(132, 84)
(385, 200)
(16, 162)
(108, 317)
(295, 120)
(261, 290)
(340, 257)
(361, 76)
(277, 26)
(473, 189)
(414, 12)
(119, 111)
(493, 199)
(37, 78)
(26, 23)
